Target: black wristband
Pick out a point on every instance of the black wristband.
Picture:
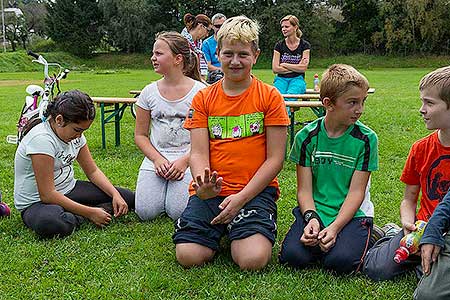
(312, 214)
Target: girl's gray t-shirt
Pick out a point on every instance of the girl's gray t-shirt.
(167, 134)
(42, 140)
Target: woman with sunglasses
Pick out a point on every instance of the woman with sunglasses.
(290, 58)
(197, 28)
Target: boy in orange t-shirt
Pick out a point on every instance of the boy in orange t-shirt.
(426, 172)
(237, 126)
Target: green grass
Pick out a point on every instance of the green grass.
(20, 62)
(135, 260)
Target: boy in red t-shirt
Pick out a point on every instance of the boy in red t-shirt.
(427, 170)
(237, 126)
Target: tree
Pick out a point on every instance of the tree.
(131, 25)
(75, 25)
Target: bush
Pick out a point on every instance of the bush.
(43, 45)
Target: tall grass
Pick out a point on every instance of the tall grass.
(135, 260)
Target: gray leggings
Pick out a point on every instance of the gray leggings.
(50, 220)
(156, 195)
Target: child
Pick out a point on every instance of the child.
(46, 193)
(164, 176)
(427, 170)
(436, 265)
(334, 155)
(237, 126)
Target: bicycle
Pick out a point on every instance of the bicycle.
(38, 97)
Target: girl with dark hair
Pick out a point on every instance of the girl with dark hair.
(52, 203)
(197, 28)
(290, 58)
(164, 175)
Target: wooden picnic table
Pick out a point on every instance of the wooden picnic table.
(116, 114)
(310, 99)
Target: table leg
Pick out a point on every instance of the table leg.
(117, 118)
(102, 124)
(292, 127)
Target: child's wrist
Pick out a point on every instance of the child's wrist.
(312, 214)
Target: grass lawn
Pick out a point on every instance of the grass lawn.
(135, 260)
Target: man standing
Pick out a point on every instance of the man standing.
(210, 44)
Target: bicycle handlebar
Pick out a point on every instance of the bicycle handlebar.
(31, 53)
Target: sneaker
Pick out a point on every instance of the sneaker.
(376, 234)
(391, 229)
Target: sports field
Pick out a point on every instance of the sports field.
(135, 260)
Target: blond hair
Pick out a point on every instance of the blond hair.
(438, 79)
(240, 29)
(293, 20)
(339, 79)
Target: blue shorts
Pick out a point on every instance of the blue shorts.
(290, 85)
(259, 215)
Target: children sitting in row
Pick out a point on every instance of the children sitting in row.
(230, 122)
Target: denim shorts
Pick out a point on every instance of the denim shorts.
(259, 215)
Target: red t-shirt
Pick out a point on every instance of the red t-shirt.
(237, 137)
(428, 165)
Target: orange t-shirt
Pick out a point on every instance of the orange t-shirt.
(428, 165)
(236, 124)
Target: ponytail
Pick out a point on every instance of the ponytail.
(192, 67)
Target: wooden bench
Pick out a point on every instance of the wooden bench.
(116, 114)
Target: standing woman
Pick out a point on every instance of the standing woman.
(52, 203)
(164, 176)
(290, 58)
(197, 28)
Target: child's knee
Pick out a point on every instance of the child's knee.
(253, 261)
(293, 254)
(342, 263)
(147, 213)
(50, 226)
(378, 270)
(252, 253)
(191, 255)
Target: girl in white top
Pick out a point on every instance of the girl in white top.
(51, 201)
(164, 175)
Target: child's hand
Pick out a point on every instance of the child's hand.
(327, 238)
(162, 165)
(119, 205)
(311, 233)
(230, 207)
(99, 216)
(408, 227)
(209, 186)
(177, 169)
(429, 255)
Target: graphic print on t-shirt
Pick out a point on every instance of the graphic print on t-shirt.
(222, 127)
(173, 133)
(290, 58)
(437, 183)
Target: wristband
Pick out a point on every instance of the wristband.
(312, 214)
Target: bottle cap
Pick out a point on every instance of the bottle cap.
(401, 254)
